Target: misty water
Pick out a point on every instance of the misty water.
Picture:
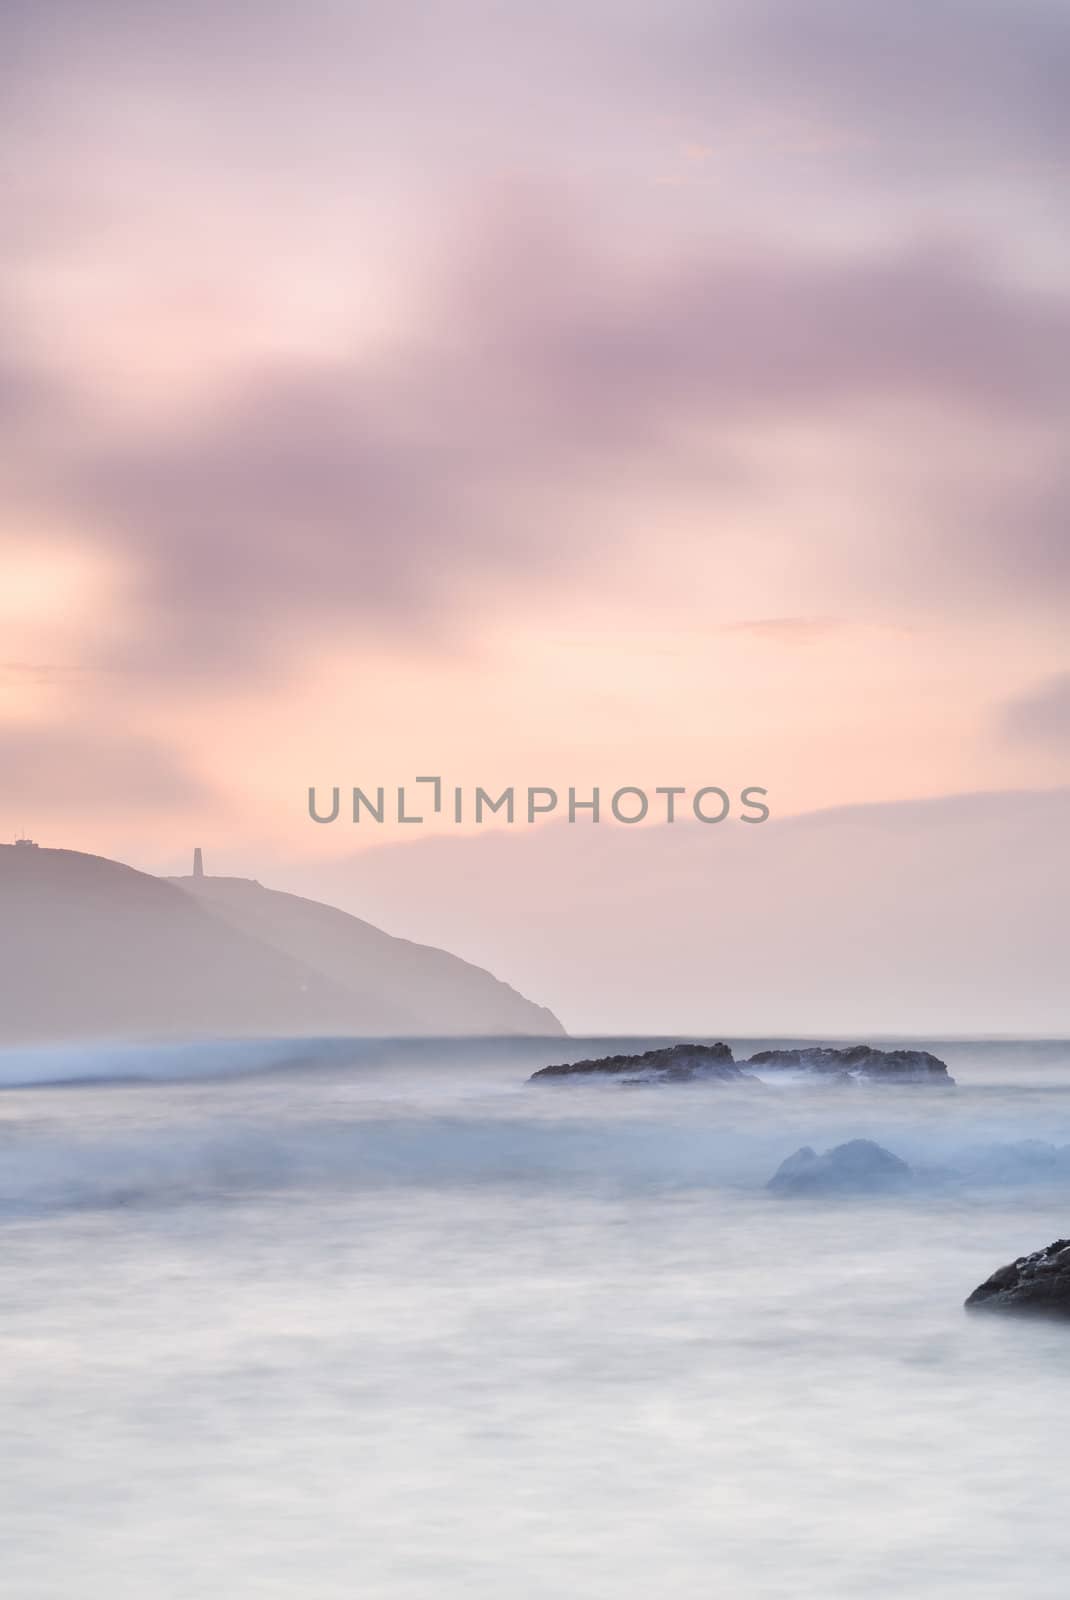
(330, 1321)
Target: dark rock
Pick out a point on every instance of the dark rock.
(1040, 1282)
(676, 1063)
(858, 1167)
(860, 1062)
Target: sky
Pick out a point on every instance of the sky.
(577, 394)
(926, 918)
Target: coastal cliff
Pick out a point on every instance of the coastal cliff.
(91, 948)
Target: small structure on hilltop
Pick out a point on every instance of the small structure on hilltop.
(198, 863)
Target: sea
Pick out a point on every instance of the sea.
(384, 1320)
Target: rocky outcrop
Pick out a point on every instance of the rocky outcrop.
(676, 1063)
(679, 1063)
(858, 1167)
(861, 1062)
(1040, 1282)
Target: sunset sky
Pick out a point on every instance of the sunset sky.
(536, 393)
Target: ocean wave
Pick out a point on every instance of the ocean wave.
(64, 1065)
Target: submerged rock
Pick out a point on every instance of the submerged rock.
(858, 1167)
(1040, 1282)
(860, 1062)
(676, 1063)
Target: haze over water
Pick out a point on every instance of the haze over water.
(407, 1326)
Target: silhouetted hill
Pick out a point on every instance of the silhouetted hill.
(90, 948)
(417, 988)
